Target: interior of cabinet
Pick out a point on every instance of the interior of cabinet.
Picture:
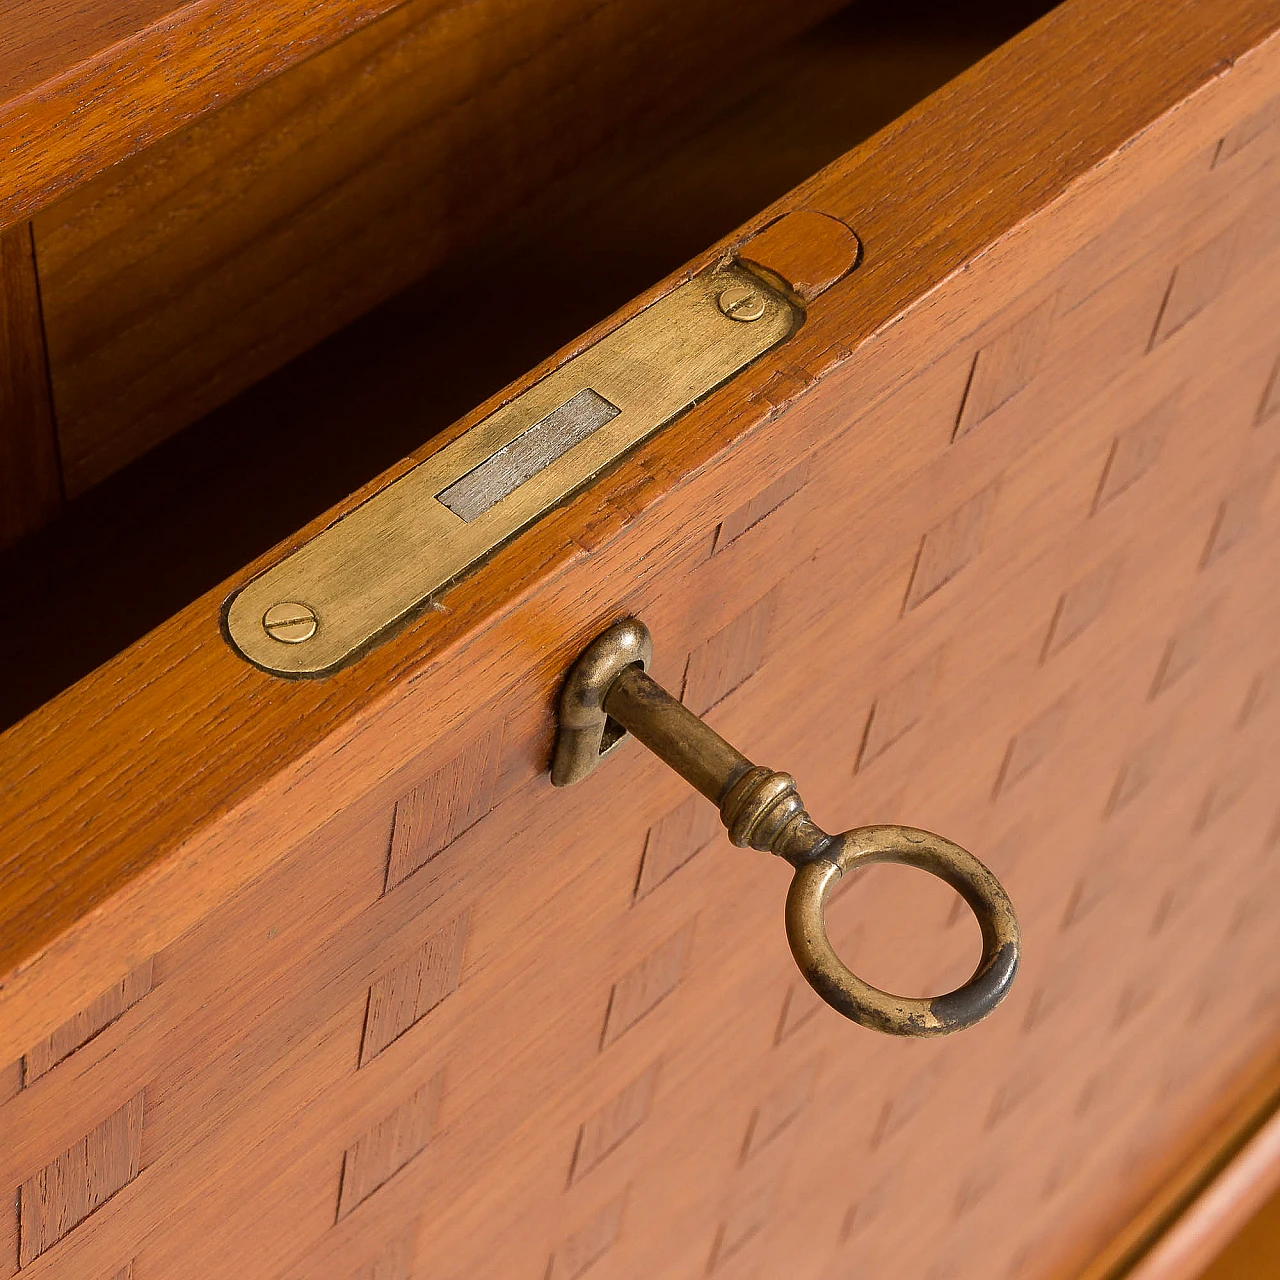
(152, 533)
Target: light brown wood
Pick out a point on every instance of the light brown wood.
(1255, 1251)
(182, 276)
(1078, 690)
(30, 467)
(1235, 1204)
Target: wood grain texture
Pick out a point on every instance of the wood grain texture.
(912, 254)
(1019, 1149)
(78, 1031)
(450, 801)
(809, 250)
(30, 467)
(413, 988)
(620, 1117)
(378, 1155)
(68, 1189)
(180, 277)
(673, 840)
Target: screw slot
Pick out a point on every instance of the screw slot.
(290, 622)
(740, 302)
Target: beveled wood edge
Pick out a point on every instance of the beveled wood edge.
(1229, 1174)
(62, 876)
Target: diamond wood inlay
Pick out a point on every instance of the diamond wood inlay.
(908, 1097)
(381, 1152)
(1005, 366)
(1252, 127)
(949, 546)
(589, 1243)
(899, 708)
(767, 501)
(394, 1261)
(747, 1218)
(1237, 516)
(1269, 405)
(78, 1031)
(620, 1117)
(452, 800)
(1138, 771)
(864, 1211)
(1223, 792)
(414, 987)
(674, 839)
(1185, 649)
(67, 1190)
(1263, 695)
(1080, 606)
(646, 985)
(1136, 450)
(1030, 746)
(716, 668)
(1196, 281)
(779, 1109)
(799, 1005)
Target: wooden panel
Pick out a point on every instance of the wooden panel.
(1195, 283)
(613, 1123)
(642, 988)
(588, 1244)
(747, 516)
(717, 667)
(183, 275)
(899, 708)
(451, 800)
(1134, 452)
(1185, 648)
(750, 1214)
(998, 154)
(779, 1109)
(392, 1263)
(949, 546)
(413, 988)
(78, 1031)
(1257, 125)
(30, 469)
(56, 1200)
(1270, 402)
(1032, 744)
(674, 839)
(378, 1155)
(1080, 606)
(1237, 515)
(1020, 1148)
(1005, 365)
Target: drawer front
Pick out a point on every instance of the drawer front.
(325, 979)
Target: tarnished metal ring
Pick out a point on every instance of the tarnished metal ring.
(868, 1005)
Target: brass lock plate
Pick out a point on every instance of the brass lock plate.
(327, 602)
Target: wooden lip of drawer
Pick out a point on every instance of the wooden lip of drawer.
(169, 761)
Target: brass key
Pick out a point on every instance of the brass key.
(609, 694)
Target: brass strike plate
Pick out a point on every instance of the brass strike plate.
(327, 602)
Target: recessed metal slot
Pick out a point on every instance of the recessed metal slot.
(503, 472)
(330, 599)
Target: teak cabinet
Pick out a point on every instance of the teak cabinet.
(321, 979)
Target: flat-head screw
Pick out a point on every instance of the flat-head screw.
(290, 622)
(741, 302)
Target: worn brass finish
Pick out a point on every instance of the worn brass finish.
(289, 623)
(385, 560)
(609, 691)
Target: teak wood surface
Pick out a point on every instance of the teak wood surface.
(308, 979)
(180, 277)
